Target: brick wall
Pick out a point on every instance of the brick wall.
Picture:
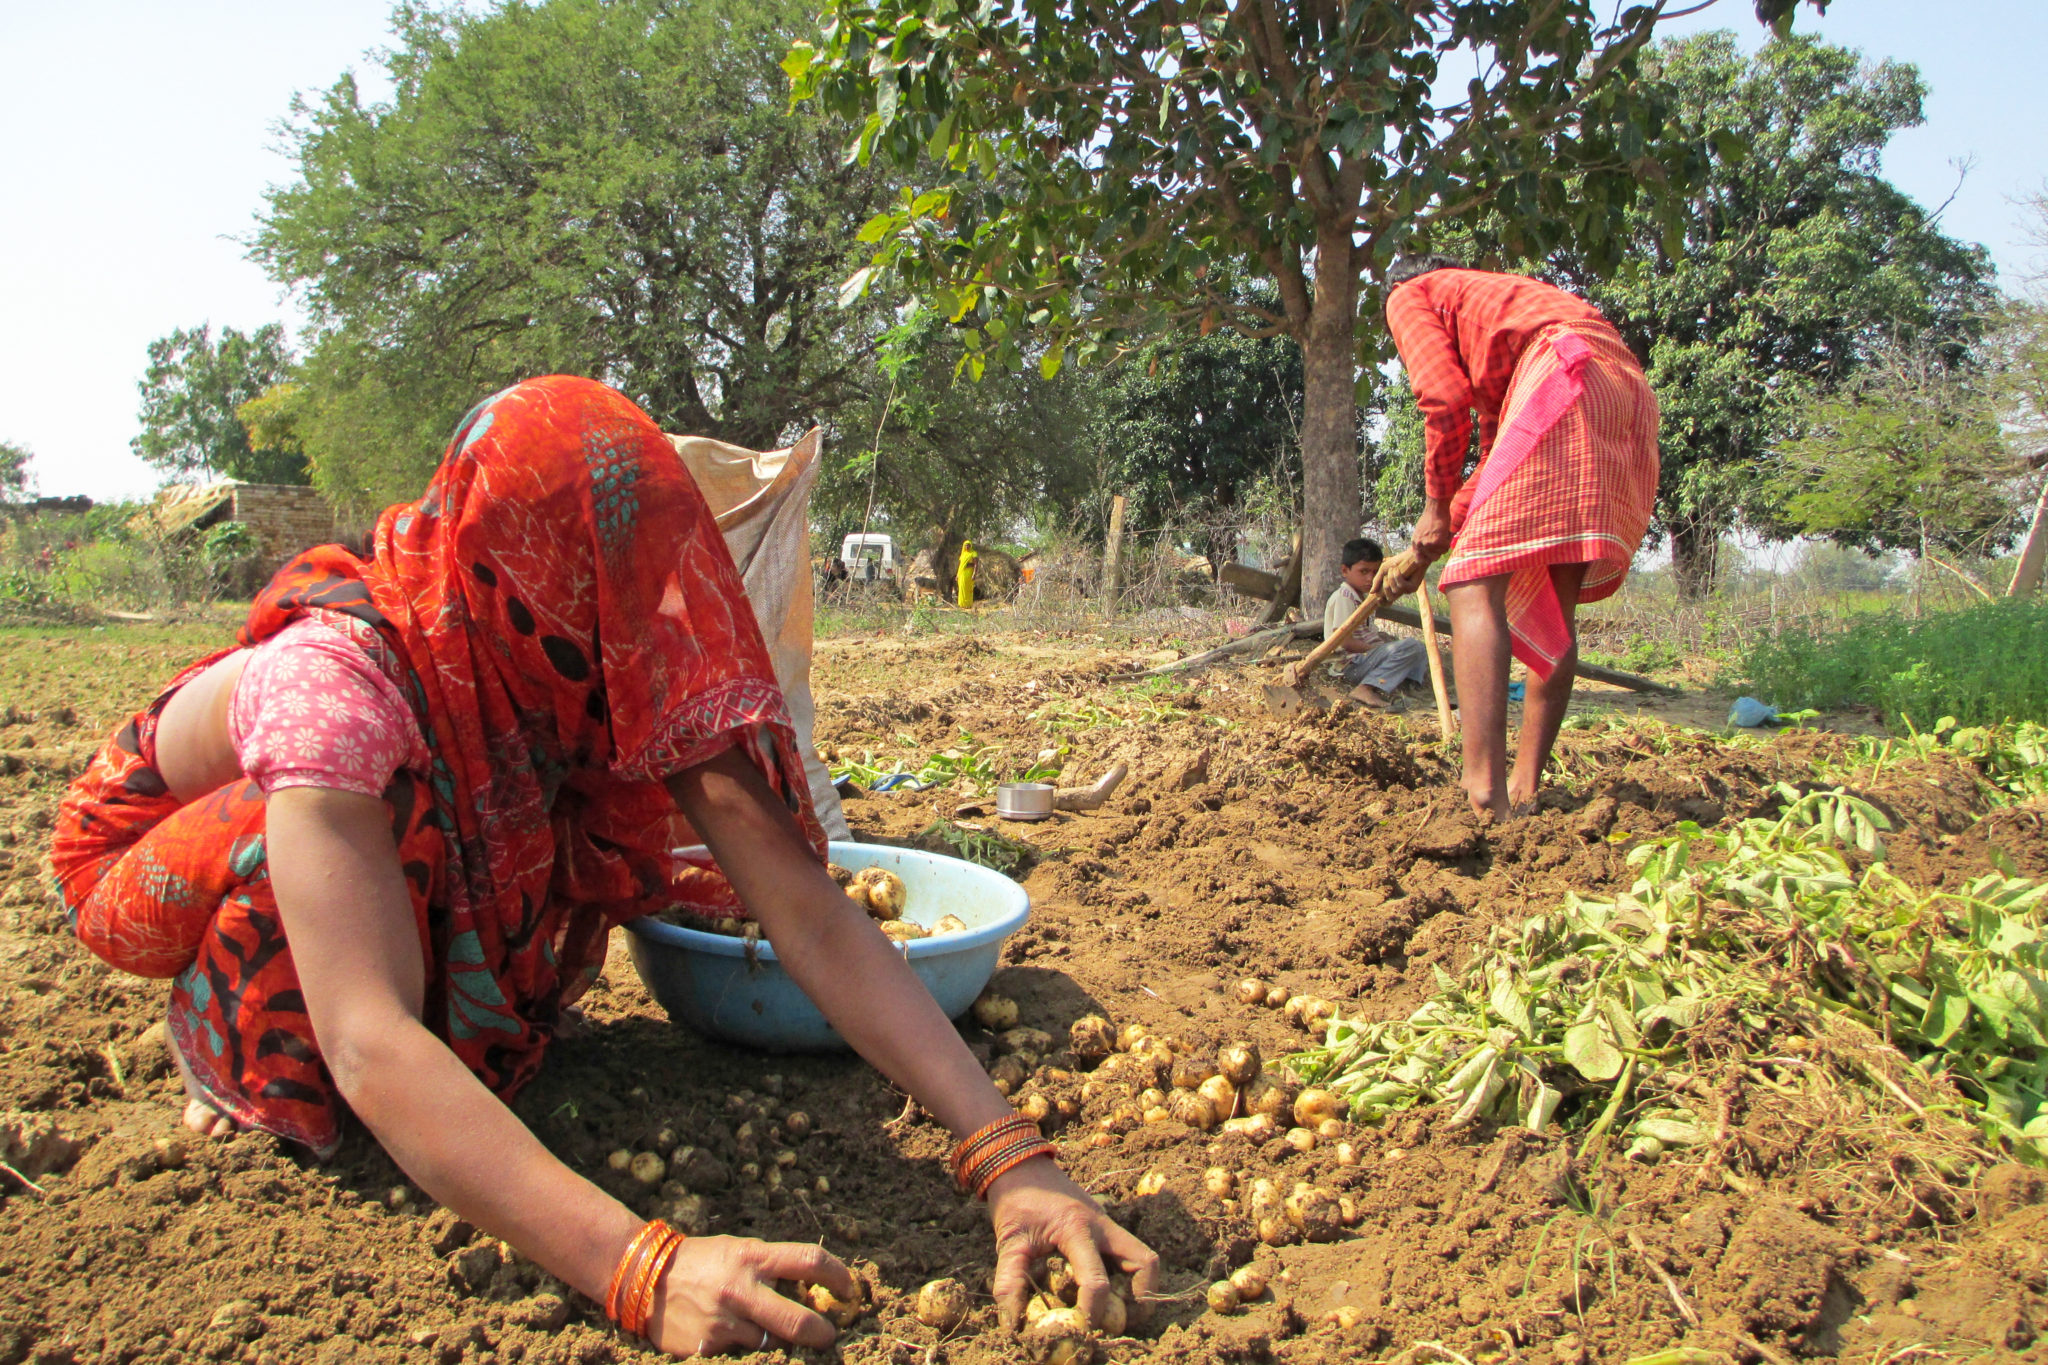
(286, 519)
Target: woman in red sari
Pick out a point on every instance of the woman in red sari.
(1554, 512)
(571, 684)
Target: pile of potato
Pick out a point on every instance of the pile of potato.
(879, 893)
(1126, 1078)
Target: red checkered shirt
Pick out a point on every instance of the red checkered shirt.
(1461, 334)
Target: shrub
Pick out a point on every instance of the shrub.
(1981, 664)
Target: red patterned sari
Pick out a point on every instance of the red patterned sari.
(571, 631)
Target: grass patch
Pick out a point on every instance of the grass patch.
(1980, 664)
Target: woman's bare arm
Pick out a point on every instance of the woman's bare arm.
(863, 985)
(357, 950)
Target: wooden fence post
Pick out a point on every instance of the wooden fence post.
(1112, 554)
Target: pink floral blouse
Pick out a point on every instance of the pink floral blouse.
(314, 709)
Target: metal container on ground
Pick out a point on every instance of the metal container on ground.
(706, 980)
(1024, 800)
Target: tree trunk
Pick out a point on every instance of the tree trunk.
(1331, 497)
(1695, 558)
(2026, 577)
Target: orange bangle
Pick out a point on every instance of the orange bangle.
(651, 1273)
(622, 1273)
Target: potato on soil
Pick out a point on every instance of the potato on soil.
(883, 891)
(1314, 1104)
(1268, 1096)
(1257, 1129)
(1150, 1183)
(943, 1305)
(1090, 1039)
(1224, 1298)
(1316, 1212)
(1220, 1181)
(1130, 1035)
(995, 1012)
(1251, 991)
(839, 1312)
(1185, 1106)
(1035, 1042)
(1301, 1139)
(1221, 1094)
(1239, 1063)
(1249, 1281)
(648, 1168)
(1060, 1337)
(1190, 1070)
(1277, 996)
(1009, 1073)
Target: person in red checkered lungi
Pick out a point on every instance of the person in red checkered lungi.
(1554, 511)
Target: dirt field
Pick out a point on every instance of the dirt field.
(1327, 854)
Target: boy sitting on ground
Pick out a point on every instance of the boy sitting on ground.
(1376, 664)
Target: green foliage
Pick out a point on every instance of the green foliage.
(191, 394)
(1093, 177)
(1751, 937)
(1908, 456)
(1186, 426)
(1982, 664)
(1794, 259)
(968, 459)
(1395, 490)
(613, 189)
(17, 480)
(980, 846)
(2011, 759)
(65, 566)
(974, 767)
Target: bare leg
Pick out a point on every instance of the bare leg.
(1547, 698)
(201, 1117)
(1479, 656)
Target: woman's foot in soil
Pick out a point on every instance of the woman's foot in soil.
(201, 1117)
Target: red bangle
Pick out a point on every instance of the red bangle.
(986, 1139)
(1009, 1159)
(986, 1167)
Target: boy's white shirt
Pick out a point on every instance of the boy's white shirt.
(1338, 608)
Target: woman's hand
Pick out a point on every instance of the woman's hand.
(719, 1294)
(1037, 1211)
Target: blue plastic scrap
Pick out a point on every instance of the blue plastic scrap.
(1749, 713)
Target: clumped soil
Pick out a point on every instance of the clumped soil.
(1329, 853)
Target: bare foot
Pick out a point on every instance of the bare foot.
(1486, 804)
(201, 1117)
(1371, 698)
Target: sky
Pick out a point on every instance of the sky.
(137, 138)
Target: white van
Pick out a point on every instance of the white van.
(869, 558)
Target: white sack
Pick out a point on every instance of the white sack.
(762, 500)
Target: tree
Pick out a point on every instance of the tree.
(1797, 262)
(1185, 426)
(971, 460)
(17, 480)
(190, 396)
(607, 187)
(1103, 171)
(1909, 456)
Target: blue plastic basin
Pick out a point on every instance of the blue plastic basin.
(705, 981)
